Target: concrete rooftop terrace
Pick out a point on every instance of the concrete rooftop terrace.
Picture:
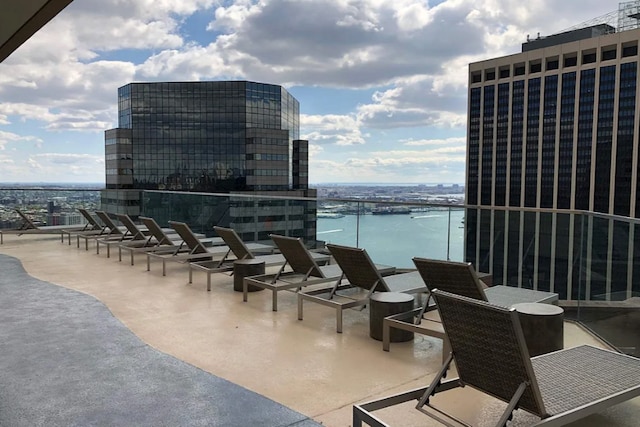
(305, 366)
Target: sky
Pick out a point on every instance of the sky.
(382, 84)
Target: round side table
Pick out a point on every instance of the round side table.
(383, 304)
(542, 325)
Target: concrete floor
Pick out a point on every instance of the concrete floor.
(304, 365)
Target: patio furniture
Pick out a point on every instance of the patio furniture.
(134, 235)
(159, 239)
(240, 250)
(542, 326)
(364, 279)
(119, 235)
(243, 268)
(193, 249)
(384, 304)
(459, 278)
(491, 356)
(304, 270)
(93, 228)
(110, 231)
(29, 227)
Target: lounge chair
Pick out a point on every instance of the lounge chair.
(134, 236)
(195, 249)
(109, 230)
(491, 356)
(237, 250)
(93, 227)
(158, 239)
(137, 237)
(364, 279)
(459, 278)
(116, 233)
(304, 270)
(29, 227)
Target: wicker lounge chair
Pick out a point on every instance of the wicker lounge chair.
(364, 279)
(304, 270)
(134, 235)
(237, 249)
(192, 248)
(491, 356)
(29, 227)
(93, 227)
(117, 233)
(459, 278)
(158, 240)
(110, 231)
(137, 237)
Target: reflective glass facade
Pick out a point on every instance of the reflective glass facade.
(209, 137)
(556, 129)
(195, 136)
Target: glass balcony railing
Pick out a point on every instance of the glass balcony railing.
(46, 206)
(591, 260)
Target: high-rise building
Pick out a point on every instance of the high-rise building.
(557, 127)
(235, 137)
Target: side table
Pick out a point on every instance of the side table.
(542, 325)
(244, 268)
(383, 304)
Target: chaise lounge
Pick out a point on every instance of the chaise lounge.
(239, 250)
(304, 270)
(459, 278)
(364, 279)
(489, 348)
(29, 227)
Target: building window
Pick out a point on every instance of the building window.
(552, 64)
(609, 53)
(535, 67)
(570, 61)
(629, 50)
(518, 70)
(589, 58)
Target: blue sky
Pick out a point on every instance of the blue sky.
(381, 84)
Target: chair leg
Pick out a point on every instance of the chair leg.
(300, 302)
(386, 336)
(274, 300)
(148, 262)
(164, 267)
(190, 275)
(339, 320)
(208, 281)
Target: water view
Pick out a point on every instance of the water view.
(395, 239)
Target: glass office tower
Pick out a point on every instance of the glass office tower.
(203, 136)
(556, 127)
(213, 137)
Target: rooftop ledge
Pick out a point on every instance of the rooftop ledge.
(304, 365)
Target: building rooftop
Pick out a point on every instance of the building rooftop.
(625, 18)
(304, 366)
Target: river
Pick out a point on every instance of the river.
(396, 239)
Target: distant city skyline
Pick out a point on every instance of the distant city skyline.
(382, 85)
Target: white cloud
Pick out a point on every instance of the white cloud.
(337, 129)
(453, 141)
(413, 54)
(8, 137)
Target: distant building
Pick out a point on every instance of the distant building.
(235, 137)
(556, 127)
